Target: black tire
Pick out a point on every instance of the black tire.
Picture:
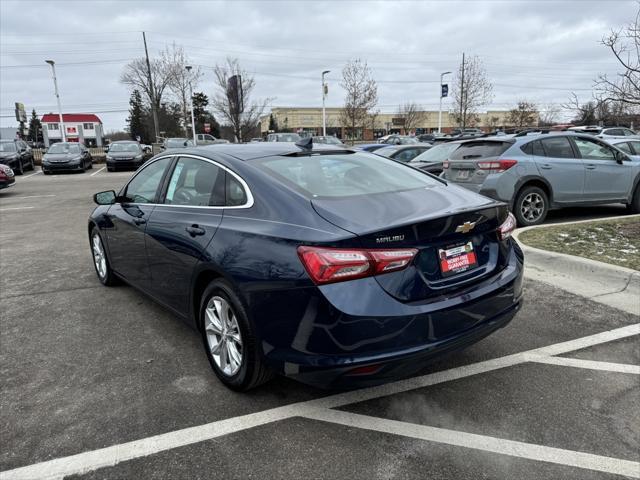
(46, 172)
(531, 206)
(109, 278)
(90, 163)
(634, 206)
(32, 165)
(19, 170)
(252, 371)
(111, 169)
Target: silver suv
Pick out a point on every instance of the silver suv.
(536, 173)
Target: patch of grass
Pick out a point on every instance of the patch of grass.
(611, 241)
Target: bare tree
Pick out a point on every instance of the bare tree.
(525, 114)
(549, 115)
(361, 95)
(472, 90)
(136, 76)
(412, 115)
(625, 45)
(181, 80)
(242, 118)
(584, 113)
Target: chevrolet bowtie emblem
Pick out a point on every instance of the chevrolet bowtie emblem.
(466, 227)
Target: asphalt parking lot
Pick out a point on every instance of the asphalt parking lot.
(102, 383)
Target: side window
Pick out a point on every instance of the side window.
(628, 133)
(143, 188)
(197, 183)
(618, 132)
(558, 147)
(591, 150)
(405, 155)
(538, 149)
(636, 147)
(625, 147)
(236, 196)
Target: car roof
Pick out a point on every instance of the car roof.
(249, 151)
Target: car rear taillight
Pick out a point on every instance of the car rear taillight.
(507, 227)
(329, 265)
(497, 165)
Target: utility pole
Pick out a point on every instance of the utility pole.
(55, 86)
(324, 113)
(193, 118)
(462, 95)
(154, 110)
(440, 109)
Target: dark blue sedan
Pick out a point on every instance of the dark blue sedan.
(331, 266)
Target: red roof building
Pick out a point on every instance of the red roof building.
(78, 127)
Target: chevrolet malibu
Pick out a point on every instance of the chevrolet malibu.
(335, 267)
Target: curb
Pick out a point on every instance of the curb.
(618, 287)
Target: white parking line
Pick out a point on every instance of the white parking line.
(481, 442)
(109, 456)
(97, 171)
(32, 174)
(589, 364)
(14, 208)
(34, 196)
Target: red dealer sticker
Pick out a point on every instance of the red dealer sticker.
(457, 259)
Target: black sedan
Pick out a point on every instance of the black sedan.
(403, 153)
(433, 159)
(17, 155)
(66, 156)
(125, 154)
(331, 266)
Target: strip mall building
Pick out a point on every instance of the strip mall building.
(79, 127)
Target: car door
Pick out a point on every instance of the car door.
(606, 179)
(128, 218)
(180, 229)
(558, 164)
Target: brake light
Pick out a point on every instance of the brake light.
(329, 265)
(498, 165)
(507, 227)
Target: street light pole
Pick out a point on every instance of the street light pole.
(55, 86)
(324, 113)
(193, 119)
(440, 109)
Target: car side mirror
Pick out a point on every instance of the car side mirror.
(620, 157)
(107, 197)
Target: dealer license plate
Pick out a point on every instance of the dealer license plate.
(457, 259)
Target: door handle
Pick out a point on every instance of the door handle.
(591, 167)
(545, 166)
(139, 221)
(195, 230)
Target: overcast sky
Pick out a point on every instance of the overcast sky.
(539, 50)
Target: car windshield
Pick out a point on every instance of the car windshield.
(439, 153)
(344, 175)
(64, 148)
(123, 147)
(176, 142)
(386, 151)
(407, 140)
(7, 147)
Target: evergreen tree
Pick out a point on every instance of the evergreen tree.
(136, 121)
(202, 115)
(273, 123)
(35, 128)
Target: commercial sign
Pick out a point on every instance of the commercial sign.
(207, 128)
(21, 114)
(445, 90)
(72, 130)
(398, 121)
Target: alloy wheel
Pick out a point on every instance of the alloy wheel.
(99, 256)
(223, 335)
(532, 207)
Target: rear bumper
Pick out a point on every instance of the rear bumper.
(356, 324)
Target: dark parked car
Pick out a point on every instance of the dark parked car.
(399, 140)
(7, 178)
(370, 147)
(403, 153)
(17, 155)
(433, 159)
(125, 154)
(331, 266)
(66, 156)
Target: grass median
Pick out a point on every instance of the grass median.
(611, 241)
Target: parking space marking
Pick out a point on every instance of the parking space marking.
(33, 196)
(589, 364)
(109, 456)
(32, 174)
(97, 171)
(14, 208)
(480, 442)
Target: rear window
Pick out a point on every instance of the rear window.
(472, 150)
(345, 175)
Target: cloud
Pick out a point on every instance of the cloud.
(539, 50)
